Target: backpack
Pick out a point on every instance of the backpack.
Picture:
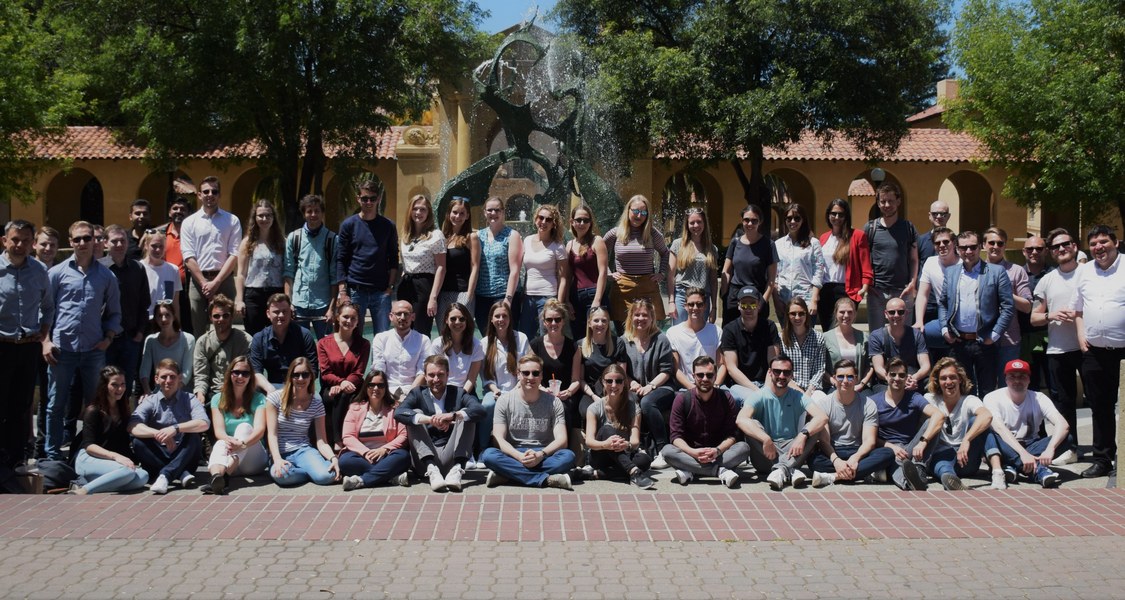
(329, 246)
(57, 474)
(869, 231)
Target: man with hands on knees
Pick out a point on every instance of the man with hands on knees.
(848, 449)
(1017, 419)
(166, 428)
(908, 425)
(771, 421)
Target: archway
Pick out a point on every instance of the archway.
(861, 195)
(696, 189)
(340, 196)
(787, 186)
(970, 201)
(157, 189)
(74, 195)
(247, 188)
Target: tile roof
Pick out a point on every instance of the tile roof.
(93, 143)
(936, 109)
(860, 187)
(919, 145)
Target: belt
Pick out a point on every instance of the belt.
(968, 336)
(27, 339)
(210, 274)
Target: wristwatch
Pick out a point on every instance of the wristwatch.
(804, 430)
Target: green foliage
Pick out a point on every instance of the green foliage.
(297, 75)
(712, 80)
(35, 97)
(1044, 91)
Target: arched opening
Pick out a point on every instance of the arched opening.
(861, 195)
(684, 191)
(340, 196)
(72, 196)
(970, 201)
(248, 187)
(787, 186)
(157, 189)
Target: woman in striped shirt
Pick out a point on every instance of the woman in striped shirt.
(290, 412)
(640, 260)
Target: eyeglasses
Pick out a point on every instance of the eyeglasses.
(82, 239)
(1060, 245)
(639, 212)
(751, 221)
(748, 305)
(899, 375)
(781, 372)
(302, 375)
(580, 221)
(368, 199)
(896, 312)
(704, 375)
(845, 378)
(401, 313)
(534, 373)
(940, 215)
(552, 320)
(220, 316)
(240, 373)
(995, 243)
(967, 247)
(943, 243)
(545, 219)
(376, 386)
(211, 192)
(614, 381)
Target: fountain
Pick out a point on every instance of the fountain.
(546, 103)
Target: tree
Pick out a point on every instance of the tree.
(35, 97)
(297, 76)
(1044, 90)
(714, 80)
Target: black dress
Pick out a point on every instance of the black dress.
(559, 368)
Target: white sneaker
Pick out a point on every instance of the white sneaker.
(453, 478)
(352, 482)
(999, 481)
(728, 477)
(798, 479)
(437, 482)
(160, 486)
(1066, 458)
(403, 479)
(187, 480)
(659, 462)
(559, 481)
(776, 479)
(682, 477)
(820, 480)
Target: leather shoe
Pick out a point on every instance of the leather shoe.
(1097, 469)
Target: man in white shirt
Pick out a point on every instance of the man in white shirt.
(693, 338)
(1017, 416)
(1051, 308)
(401, 351)
(1099, 314)
(209, 241)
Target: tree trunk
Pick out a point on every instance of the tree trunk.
(288, 174)
(754, 187)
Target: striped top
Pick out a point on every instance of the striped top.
(293, 431)
(493, 278)
(631, 257)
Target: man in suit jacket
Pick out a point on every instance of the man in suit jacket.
(974, 310)
(435, 416)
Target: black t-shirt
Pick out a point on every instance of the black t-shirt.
(749, 265)
(98, 428)
(595, 364)
(752, 347)
(457, 268)
(557, 368)
(890, 252)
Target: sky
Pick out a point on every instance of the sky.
(506, 13)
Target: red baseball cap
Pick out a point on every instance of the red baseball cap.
(1017, 366)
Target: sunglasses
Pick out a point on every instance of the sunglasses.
(943, 243)
(995, 243)
(211, 192)
(799, 313)
(838, 215)
(793, 219)
(456, 319)
(748, 305)
(1033, 248)
(899, 375)
(704, 375)
(302, 375)
(693, 304)
(940, 215)
(368, 199)
(781, 372)
(580, 221)
(164, 302)
(751, 221)
(82, 239)
(896, 312)
(845, 378)
(240, 373)
(1060, 245)
(967, 248)
(544, 219)
(638, 212)
(552, 320)
(613, 381)
(534, 373)
(376, 386)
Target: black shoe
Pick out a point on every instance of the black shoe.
(952, 482)
(915, 480)
(219, 485)
(1098, 469)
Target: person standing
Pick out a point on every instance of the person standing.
(261, 256)
(27, 308)
(693, 262)
(209, 241)
(546, 266)
(462, 257)
(1033, 347)
(423, 263)
(751, 261)
(1099, 316)
(163, 277)
(931, 284)
(640, 260)
(132, 282)
(501, 248)
(939, 218)
(800, 265)
(995, 240)
(88, 316)
(847, 259)
(589, 263)
(311, 269)
(892, 239)
(178, 210)
(367, 258)
(140, 217)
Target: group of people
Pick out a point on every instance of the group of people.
(548, 361)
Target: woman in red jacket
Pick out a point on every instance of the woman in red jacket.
(342, 356)
(374, 442)
(847, 255)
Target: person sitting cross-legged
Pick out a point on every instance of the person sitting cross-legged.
(703, 432)
(964, 437)
(293, 413)
(771, 421)
(529, 428)
(374, 442)
(440, 425)
(1017, 418)
(613, 432)
(847, 444)
(166, 428)
(908, 426)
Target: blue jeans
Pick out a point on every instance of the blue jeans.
(313, 319)
(375, 302)
(681, 311)
(87, 365)
(392, 465)
(944, 458)
(653, 407)
(305, 464)
(529, 315)
(879, 459)
(125, 353)
(981, 362)
(484, 426)
(582, 300)
(561, 461)
(104, 475)
(157, 459)
(1010, 458)
(743, 394)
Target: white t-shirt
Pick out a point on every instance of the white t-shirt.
(541, 266)
(1023, 420)
(1056, 289)
(691, 345)
(459, 363)
(934, 274)
(163, 282)
(834, 271)
(504, 380)
(956, 421)
(1100, 295)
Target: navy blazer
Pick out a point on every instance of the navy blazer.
(995, 307)
(456, 399)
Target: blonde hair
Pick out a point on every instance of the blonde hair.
(630, 329)
(945, 363)
(623, 223)
(407, 234)
(290, 389)
(688, 251)
(610, 338)
(556, 220)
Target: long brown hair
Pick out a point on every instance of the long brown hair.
(408, 234)
(101, 396)
(447, 333)
(275, 240)
(459, 238)
(229, 402)
(290, 388)
(492, 340)
(614, 408)
(584, 242)
(843, 250)
(787, 333)
(361, 395)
